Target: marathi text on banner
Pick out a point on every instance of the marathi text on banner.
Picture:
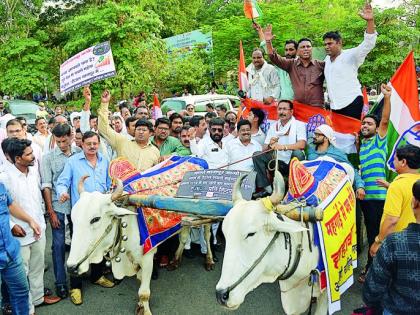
(90, 65)
(338, 241)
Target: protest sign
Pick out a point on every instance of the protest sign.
(215, 184)
(337, 233)
(90, 65)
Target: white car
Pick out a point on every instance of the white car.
(199, 101)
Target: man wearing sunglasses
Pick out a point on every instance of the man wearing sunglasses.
(211, 149)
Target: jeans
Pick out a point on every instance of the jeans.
(386, 312)
(59, 250)
(14, 278)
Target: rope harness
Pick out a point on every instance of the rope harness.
(116, 244)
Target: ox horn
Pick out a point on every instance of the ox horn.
(279, 188)
(80, 186)
(118, 190)
(236, 194)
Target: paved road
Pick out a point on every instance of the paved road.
(189, 290)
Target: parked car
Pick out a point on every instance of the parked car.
(27, 109)
(199, 101)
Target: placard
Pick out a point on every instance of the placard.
(215, 184)
(90, 65)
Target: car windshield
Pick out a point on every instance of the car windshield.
(19, 109)
(176, 105)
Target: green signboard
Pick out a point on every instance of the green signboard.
(185, 43)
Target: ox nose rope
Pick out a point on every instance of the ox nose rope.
(256, 262)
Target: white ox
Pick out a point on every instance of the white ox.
(101, 228)
(249, 228)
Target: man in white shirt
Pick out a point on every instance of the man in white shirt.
(242, 147)
(198, 128)
(287, 137)
(23, 183)
(14, 129)
(42, 134)
(49, 144)
(264, 82)
(214, 152)
(256, 117)
(341, 68)
(211, 149)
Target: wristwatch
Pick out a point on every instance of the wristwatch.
(377, 240)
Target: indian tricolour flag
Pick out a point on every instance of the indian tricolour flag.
(251, 9)
(404, 127)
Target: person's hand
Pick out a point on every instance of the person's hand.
(382, 183)
(163, 158)
(356, 138)
(268, 100)
(87, 94)
(64, 197)
(374, 249)
(386, 90)
(191, 133)
(360, 194)
(36, 228)
(367, 12)
(273, 140)
(18, 231)
(256, 26)
(55, 223)
(268, 33)
(105, 97)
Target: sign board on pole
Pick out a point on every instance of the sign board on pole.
(185, 43)
(215, 184)
(90, 65)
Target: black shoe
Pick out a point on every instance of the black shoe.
(261, 194)
(62, 291)
(188, 253)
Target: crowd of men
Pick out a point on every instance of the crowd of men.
(39, 174)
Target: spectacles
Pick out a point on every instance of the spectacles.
(190, 108)
(163, 128)
(216, 129)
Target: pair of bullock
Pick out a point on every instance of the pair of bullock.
(260, 247)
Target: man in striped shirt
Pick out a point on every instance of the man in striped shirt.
(373, 152)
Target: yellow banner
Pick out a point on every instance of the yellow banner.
(339, 241)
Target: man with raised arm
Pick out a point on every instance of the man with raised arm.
(140, 152)
(306, 74)
(373, 156)
(341, 68)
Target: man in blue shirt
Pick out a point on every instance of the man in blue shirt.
(11, 266)
(93, 164)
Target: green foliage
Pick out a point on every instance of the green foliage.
(35, 42)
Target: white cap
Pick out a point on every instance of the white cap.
(328, 132)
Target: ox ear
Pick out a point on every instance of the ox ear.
(288, 226)
(117, 211)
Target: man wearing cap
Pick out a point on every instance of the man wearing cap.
(324, 145)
